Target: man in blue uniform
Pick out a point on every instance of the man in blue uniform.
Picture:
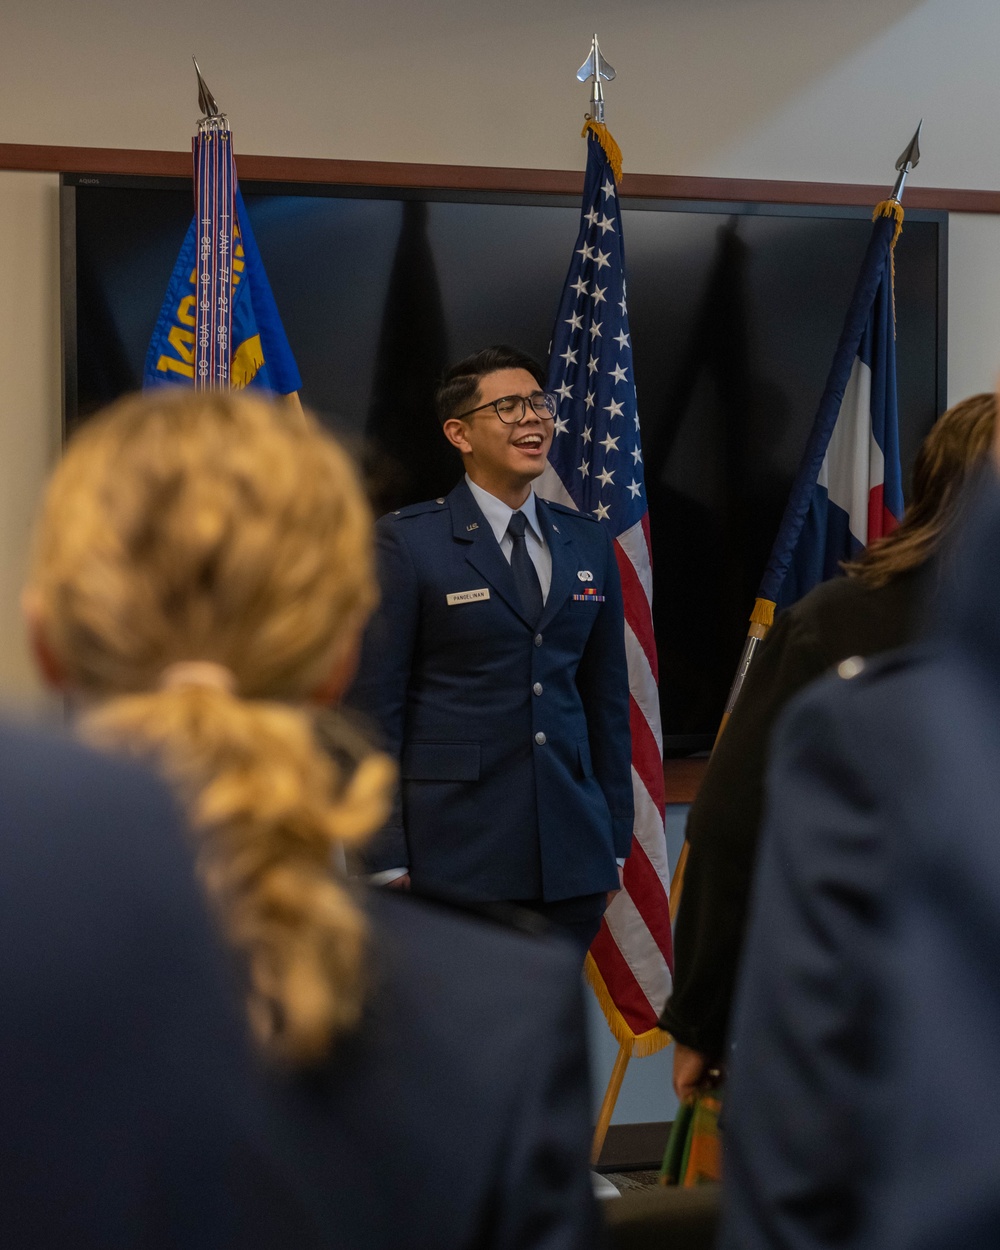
(496, 670)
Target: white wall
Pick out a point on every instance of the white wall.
(770, 88)
(973, 305)
(30, 408)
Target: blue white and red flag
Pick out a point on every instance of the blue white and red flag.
(595, 465)
(848, 491)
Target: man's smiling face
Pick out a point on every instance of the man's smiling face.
(502, 459)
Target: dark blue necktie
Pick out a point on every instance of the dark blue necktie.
(525, 577)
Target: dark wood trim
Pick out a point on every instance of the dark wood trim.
(51, 159)
(634, 1147)
(683, 779)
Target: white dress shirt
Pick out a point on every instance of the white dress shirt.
(498, 515)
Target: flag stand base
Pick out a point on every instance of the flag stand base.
(627, 1049)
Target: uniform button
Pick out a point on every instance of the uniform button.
(850, 667)
(537, 687)
(540, 739)
(538, 640)
(439, 500)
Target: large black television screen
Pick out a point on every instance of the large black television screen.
(735, 312)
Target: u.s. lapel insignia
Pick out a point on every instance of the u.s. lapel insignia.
(585, 575)
(473, 526)
(556, 528)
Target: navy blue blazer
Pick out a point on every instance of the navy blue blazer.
(805, 1067)
(866, 1038)
(513, 739)
(458, 1114)
(124, 1090)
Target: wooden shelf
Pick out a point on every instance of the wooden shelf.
(132, 161)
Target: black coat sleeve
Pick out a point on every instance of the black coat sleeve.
(722, 831)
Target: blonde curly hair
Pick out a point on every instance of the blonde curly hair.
(216, 527)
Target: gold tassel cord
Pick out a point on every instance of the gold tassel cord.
(607, 141)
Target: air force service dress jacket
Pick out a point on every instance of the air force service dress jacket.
(512, 735)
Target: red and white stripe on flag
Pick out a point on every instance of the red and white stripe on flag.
(629, 964)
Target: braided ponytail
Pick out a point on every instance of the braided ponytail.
(216, 528)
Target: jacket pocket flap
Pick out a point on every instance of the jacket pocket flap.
(441, 761)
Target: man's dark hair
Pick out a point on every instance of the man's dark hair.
(460, 384)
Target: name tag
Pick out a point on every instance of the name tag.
(467, 596)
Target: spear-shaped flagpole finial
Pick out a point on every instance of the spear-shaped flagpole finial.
(597, 68)
(210, 111)
(908, 160)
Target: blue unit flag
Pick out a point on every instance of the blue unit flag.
(261, 355)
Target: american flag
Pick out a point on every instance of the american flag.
(596, 465)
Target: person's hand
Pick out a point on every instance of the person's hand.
(690, 1067)
(400, 883)
(621, 885)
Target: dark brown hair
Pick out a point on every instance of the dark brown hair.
(958, 443)
(460, 385)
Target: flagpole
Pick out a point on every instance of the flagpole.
(762, 617)
(595, 465)
(595, 68)
(213, 330)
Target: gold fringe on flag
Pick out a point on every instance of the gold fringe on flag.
(890, 208)
(642, 1044)
(607, 141)
(763, 613)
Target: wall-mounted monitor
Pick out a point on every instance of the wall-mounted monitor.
(735, 312)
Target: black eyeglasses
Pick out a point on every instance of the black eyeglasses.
(511, 409)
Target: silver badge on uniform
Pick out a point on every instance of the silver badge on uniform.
(585, 575)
